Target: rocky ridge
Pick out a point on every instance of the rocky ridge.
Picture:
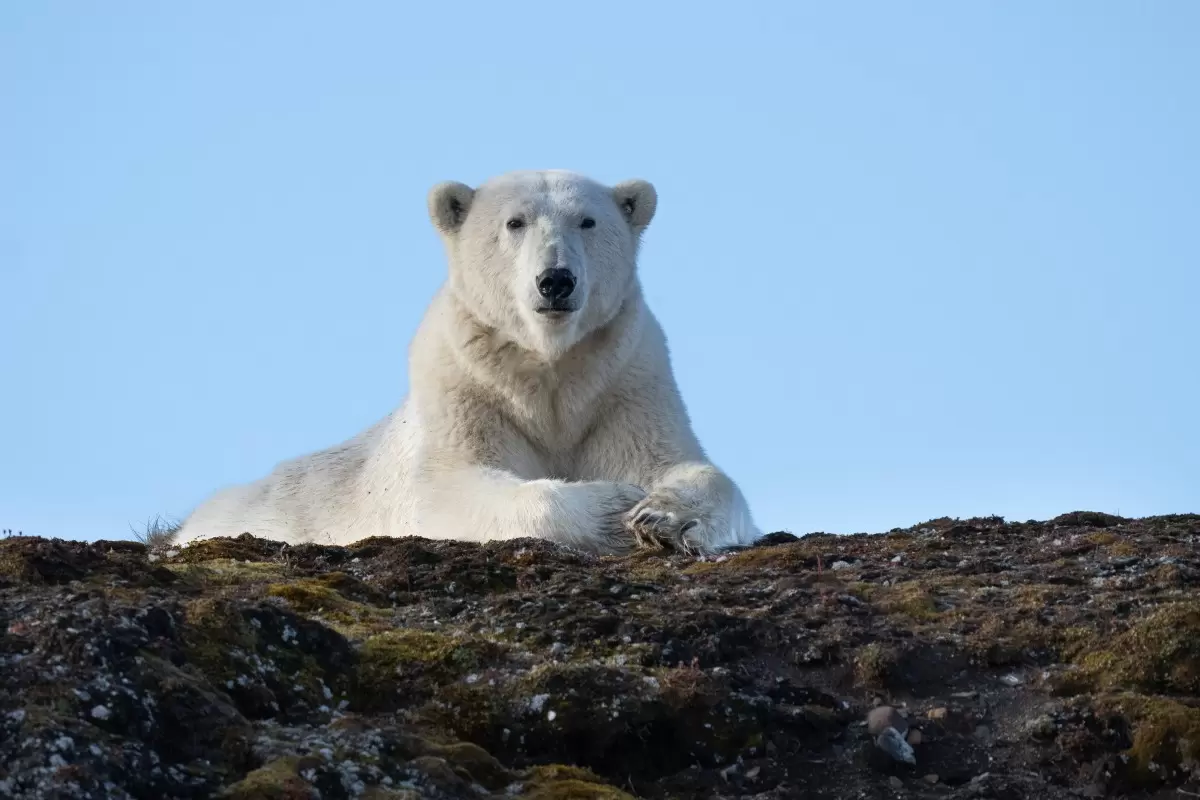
(1053, 659)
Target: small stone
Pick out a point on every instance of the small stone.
(983, 732)
(883, 717)
(897, 559)
(931, 778)
(914, 737)
(1011, 680)
(840, 565)
(1042, 727)
(101, 712)
(938, 714)
(895, 782)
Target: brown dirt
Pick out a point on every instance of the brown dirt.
(1032, 660)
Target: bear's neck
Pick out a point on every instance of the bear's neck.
(491, 356)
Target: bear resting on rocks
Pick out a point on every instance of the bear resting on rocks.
(541, 399)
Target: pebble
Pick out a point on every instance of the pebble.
(883, 717)
(1011, 680)
(1042, 727)
(895, 782)
(938, 714)
(840, 565)
(931, 778)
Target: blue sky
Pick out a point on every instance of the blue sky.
(912, 259)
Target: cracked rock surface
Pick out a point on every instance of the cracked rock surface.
(1056, 659)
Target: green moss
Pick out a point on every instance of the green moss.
(420, 661)
(872, 663)
(308, 596)
(230, 642)
(559, 782)
(212, 631)
(482, 766)
(318, 597)
(798, 556)
(227, 572)
(384, 793)
(241, 548)
(1158, 653)
(910, 599)
(1166, 734)
(275, 781)
(472, 712)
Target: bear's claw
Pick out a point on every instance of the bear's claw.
(657, 529)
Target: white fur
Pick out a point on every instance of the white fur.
(517, 423)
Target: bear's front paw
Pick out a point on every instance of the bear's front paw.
(664, 520)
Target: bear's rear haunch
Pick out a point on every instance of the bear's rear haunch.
(542, 401)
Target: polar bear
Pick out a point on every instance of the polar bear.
(541, 401)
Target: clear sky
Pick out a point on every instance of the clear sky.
(912, 259)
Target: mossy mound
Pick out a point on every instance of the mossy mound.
(1158, 653)
(403, 667)
(558, 782)
(1036, 659)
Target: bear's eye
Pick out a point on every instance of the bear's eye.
(515, 224)
(588, 222)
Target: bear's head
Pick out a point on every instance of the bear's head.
(547, 257)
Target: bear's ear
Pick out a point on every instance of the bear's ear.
(637, 200)
(449, 203)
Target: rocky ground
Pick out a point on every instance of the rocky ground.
(1005, 660)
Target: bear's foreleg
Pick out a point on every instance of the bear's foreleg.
(486, 504)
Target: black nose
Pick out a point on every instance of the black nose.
(556, 284)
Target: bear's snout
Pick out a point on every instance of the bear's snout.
(556, 285)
